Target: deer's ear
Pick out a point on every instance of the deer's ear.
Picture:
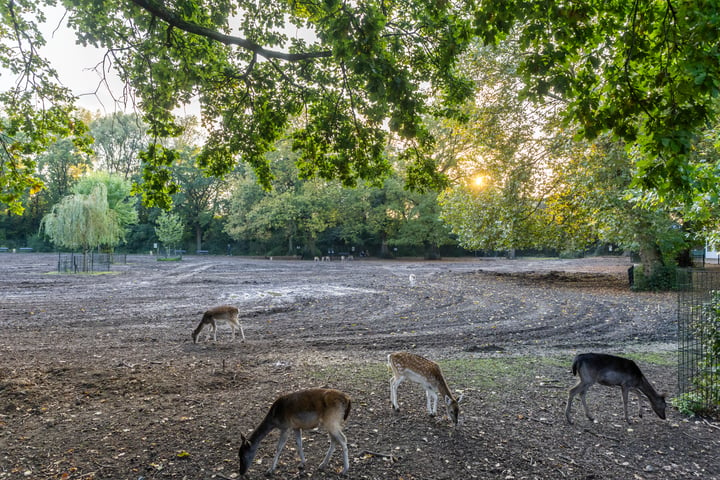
(461, 397)
(243, 440)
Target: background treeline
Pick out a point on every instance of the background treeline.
(233, 214)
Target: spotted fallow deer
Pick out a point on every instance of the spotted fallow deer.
(222, 314)
(611, 371)
(427, 373)
(299, 411)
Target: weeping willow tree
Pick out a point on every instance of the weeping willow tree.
(83, 222)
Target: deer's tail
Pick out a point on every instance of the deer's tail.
(575, 365)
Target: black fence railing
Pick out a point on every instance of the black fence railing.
(699, 339)
(90, 262)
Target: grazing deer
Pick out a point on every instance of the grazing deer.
(223, 313)
(427, 373)
(612, 371)
(297, 411)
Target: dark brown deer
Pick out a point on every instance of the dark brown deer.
(610, 370)
(298, 411)
(222, 314)
(427, 373)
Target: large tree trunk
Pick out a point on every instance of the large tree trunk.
(650, 258)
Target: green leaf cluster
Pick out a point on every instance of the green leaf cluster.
(36, 110)
(361, 74)
(649, 72)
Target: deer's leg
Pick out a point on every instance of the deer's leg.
(583, 393)
(639, 397)
(214, 330)
(330, 451)
(625, 395)
(242, 333)
(580, 388)
(431, 398)
(339, 438)
(281, 444)
(298, 442)
(394, 384)
(568, 406)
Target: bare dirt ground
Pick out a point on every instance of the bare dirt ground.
(99, 377)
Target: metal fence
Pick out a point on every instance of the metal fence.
(699, 338)
(91, 262)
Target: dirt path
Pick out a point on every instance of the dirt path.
(99, 377)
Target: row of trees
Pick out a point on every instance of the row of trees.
(88, 203)
(544, 185)
(538, 131)
(519, 180)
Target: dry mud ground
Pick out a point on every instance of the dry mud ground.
(99, 377)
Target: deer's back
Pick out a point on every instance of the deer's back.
(607, 369)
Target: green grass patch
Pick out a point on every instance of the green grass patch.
(169, 259)
(484, 374)
(666, 359)
(361, 373)
(495, 372)
(480, 373)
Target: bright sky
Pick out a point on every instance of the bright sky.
(75, 65)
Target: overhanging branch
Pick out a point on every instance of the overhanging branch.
(176, 21)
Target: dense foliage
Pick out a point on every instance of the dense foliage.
(83, 221)
(529, 179)
(347, 78)
(169, 231)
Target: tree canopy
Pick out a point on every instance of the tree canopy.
(169, 230)
(544, 186)
(363, 74)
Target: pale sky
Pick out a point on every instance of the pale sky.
(75, 63)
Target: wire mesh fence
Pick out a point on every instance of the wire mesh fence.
(90, 262)
(699, 339)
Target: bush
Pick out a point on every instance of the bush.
(690, 403)
(704, 399)
(664, 278)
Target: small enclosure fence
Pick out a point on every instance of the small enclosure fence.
(90, 262)
(699, 340)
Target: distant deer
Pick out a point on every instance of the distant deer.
(297, 411)
(427, 373)
(224, 313)
(610, 370)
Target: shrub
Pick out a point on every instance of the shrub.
(663, 278)
(704, 399)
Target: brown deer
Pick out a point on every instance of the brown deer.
(224, 313)
(610, 370)
(427, 373)
(297, 411)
